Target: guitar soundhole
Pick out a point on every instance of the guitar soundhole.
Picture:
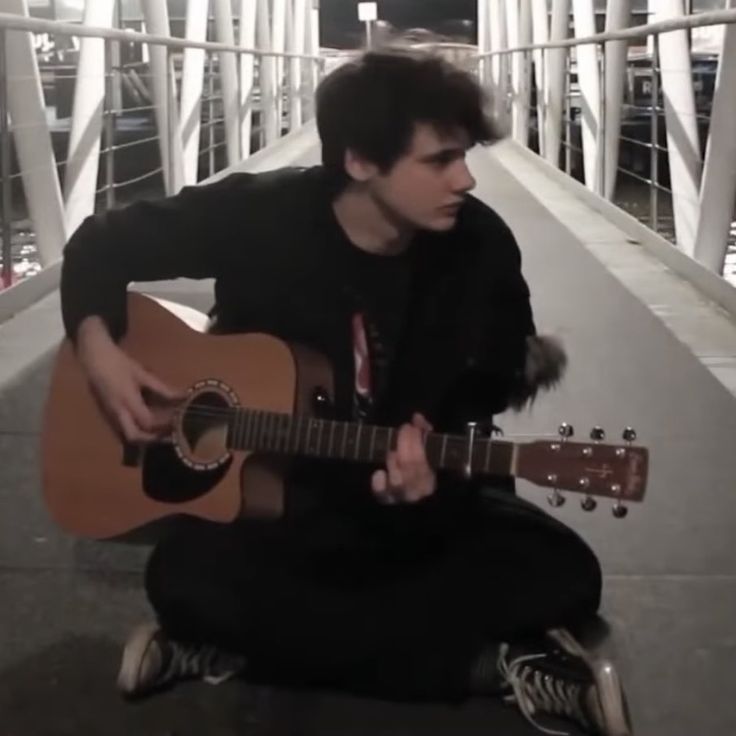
(170, 478)
(204, 427)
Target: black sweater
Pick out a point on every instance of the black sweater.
(448, 318)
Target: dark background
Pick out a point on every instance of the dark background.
(340, 24)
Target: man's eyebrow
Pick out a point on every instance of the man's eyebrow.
(444, 154)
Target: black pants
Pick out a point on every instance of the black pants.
(395, 603)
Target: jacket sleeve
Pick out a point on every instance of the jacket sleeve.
(499, 321)
(179, 236)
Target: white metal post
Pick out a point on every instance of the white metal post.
(228, 79)
(6, 182)
(483, 38)
(540, 35)
(278, 43)
(518, 16)
(589, 81)
(83, 151)
(556, 66)
(617, 17)
(288, 65)
(313, 40)
(247, 39)
(500, 62)
(682, 131)
(718, 189)
(192, 82)
(266, 75)
(32, 140)
(164, 96)
(298, 43)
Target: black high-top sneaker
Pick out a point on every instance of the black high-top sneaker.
(152, 661)
(563, 679)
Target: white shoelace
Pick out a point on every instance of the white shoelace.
(534, 691)
(202, 661)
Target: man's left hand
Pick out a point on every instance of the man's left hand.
(408, 476)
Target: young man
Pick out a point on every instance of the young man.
(395, 581)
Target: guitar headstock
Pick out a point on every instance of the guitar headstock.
(591, 468)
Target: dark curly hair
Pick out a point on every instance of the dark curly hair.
(372, 104)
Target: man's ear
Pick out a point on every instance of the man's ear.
(358, 168)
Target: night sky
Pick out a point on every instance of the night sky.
(340, 17)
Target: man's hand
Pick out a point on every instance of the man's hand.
(118, 383)
(408, 477)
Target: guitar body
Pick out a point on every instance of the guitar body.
(96, 485)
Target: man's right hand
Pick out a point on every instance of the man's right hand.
(118, 383)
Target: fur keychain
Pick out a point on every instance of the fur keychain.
(544, 368)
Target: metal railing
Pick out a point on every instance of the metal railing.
(141, 130)
(638, 178)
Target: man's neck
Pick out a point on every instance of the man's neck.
(369, 225)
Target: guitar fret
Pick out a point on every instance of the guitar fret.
(275, 431)
(248, 418)
(332, 436)
(320, 429)
(307, 429)
(243, 429)
(252, 430)
(372, 448)
(231, 429)
(232, 422)
(357, 441)
(315, 439)
(288, 431)
(284, 432)
(255, 430)
(266, 429)
(345, 427)
(443, 451)
(262, 417)
(239, 420)
(270, 433)
(307, 432)
(298, 434)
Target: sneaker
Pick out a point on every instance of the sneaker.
(151, 661)
(566, 681)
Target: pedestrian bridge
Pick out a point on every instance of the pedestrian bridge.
(651, 334)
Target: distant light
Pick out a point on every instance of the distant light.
(367, 11)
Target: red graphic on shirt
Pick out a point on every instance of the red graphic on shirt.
(363, 388)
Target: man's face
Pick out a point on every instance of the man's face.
(427, 185)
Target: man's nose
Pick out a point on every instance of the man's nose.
(463, 181)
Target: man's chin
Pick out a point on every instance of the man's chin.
(443, 223)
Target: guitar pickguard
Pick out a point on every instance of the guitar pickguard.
(167, 479)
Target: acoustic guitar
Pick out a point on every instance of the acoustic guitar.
(252, 401)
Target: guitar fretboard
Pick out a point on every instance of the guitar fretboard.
(311, 436)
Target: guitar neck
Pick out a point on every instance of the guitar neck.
(352, 441)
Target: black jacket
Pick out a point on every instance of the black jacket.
(262, 238)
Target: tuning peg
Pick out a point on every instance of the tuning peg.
(629, 434)
(619, 510)
(597, 434)
(588, 504)
(556, 499)
(566, 430)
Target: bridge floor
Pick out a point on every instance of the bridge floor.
(670, 570)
